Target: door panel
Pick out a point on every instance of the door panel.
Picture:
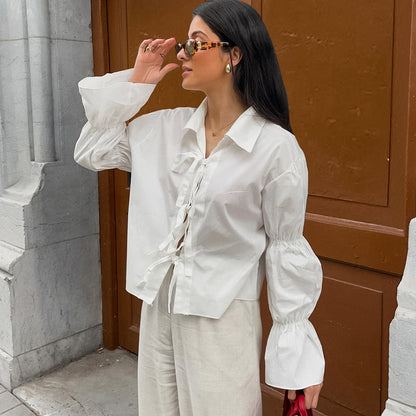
(352, 319)
(338, 76)
(346, 68)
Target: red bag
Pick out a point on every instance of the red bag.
(296, 407)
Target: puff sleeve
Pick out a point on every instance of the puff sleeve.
(109, 101)
(294, 357)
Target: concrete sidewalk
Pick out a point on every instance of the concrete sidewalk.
(100, 384)
(11, 406)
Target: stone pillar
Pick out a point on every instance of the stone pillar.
(402, 365)
(50, 291)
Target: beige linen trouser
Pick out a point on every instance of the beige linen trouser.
(195, 366)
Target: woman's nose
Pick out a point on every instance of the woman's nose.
(181, 55)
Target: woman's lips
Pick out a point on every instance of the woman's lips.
(186, 70)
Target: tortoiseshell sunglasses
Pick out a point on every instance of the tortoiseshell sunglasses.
(192, 46)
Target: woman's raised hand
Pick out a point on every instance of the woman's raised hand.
(148, 66)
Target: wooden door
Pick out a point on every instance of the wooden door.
(346, 67)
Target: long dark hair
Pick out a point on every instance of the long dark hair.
(257, 77)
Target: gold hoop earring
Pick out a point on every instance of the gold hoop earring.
(228, 68)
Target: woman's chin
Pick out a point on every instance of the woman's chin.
(186, 85)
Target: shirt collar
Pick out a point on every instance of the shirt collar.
(244, 132)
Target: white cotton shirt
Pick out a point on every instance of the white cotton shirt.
(240, 212)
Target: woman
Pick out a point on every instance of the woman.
(218, 198)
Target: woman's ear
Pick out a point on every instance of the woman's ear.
(236, 55)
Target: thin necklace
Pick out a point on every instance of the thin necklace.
(215, 133)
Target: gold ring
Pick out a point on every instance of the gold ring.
(148, 48)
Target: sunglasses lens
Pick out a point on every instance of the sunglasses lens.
(189, 48)
(178, 48)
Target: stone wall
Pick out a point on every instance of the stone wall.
(402, 360)
(50, 290)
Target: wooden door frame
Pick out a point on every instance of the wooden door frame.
(106, 192)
